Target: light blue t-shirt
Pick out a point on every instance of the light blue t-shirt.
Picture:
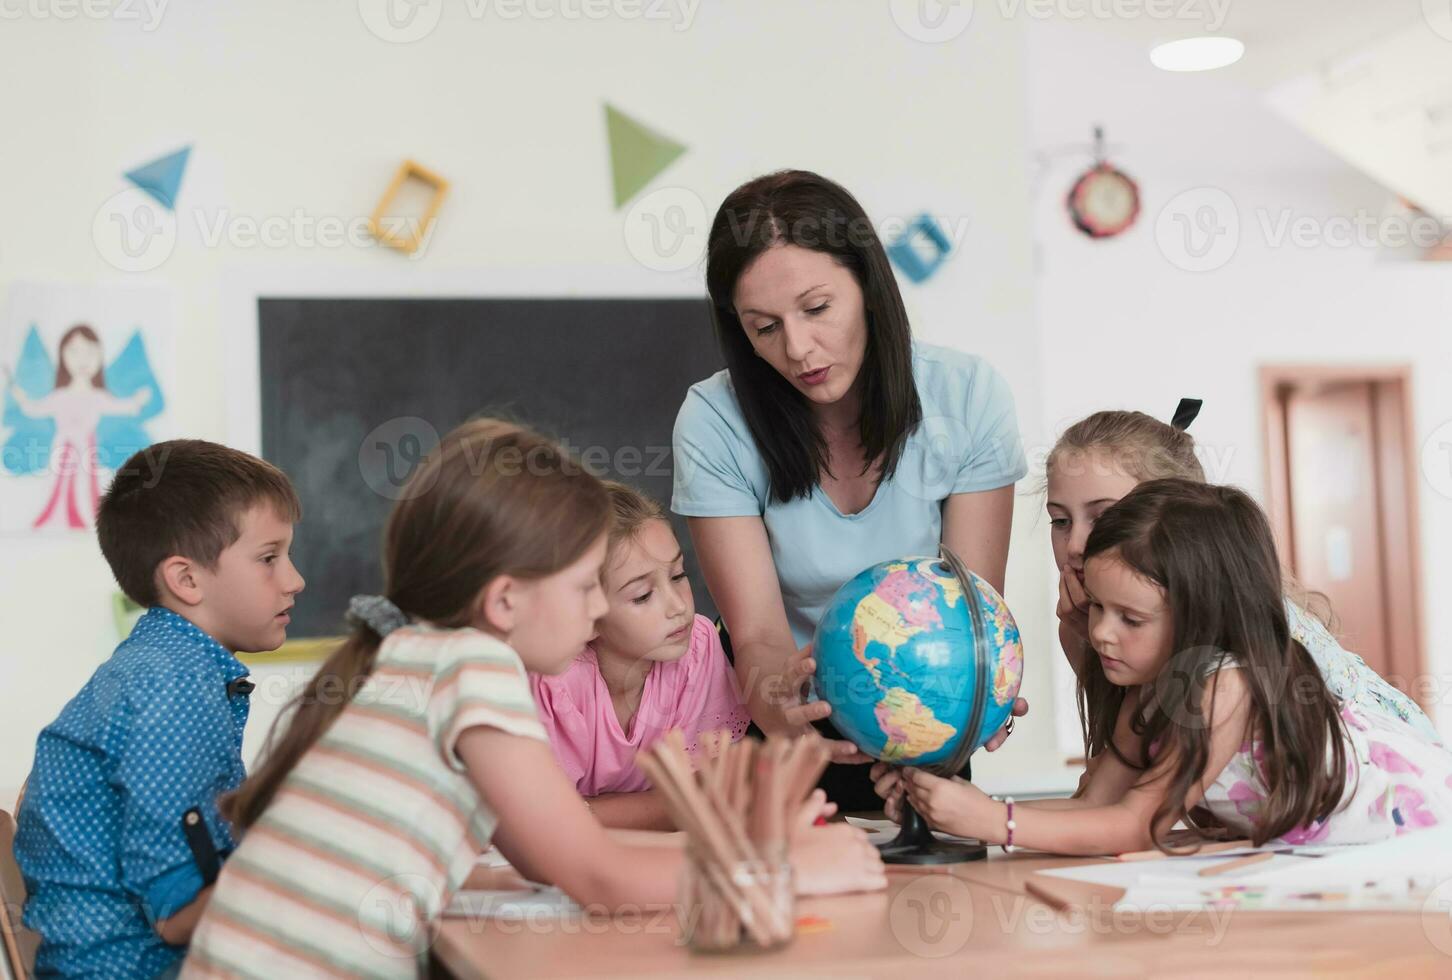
(968, 441)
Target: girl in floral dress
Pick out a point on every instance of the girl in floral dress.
(1201, 691)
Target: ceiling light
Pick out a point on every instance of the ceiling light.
(1197, 53)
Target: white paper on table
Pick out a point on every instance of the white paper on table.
(539, 902)
(878, 831)
(1128, 874)
(1396, 874)
(1388, 895)
(1418, 854)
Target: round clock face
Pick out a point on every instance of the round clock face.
(1104, 202)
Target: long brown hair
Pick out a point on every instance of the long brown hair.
(797, 207)
(63, 373)
(1211, 550)
(1146, 448)
(494, 498)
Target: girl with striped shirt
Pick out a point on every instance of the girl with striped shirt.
(418, 741)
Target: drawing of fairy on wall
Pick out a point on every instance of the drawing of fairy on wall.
(68, 419)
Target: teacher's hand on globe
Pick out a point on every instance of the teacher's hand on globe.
(800, 713)
(1020, 708)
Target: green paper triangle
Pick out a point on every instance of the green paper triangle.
(637, 153)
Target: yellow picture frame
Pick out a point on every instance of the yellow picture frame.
(408, 170)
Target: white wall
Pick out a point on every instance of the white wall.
(1122, 325)
(298, 108)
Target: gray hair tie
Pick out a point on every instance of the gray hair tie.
(376, 612)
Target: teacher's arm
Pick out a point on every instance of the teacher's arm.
(976, 527)
(735, 558)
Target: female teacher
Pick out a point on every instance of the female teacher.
(831, 442)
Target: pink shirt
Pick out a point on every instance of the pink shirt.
(697, 693)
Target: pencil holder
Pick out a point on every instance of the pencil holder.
(747, 906)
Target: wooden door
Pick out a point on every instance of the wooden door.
(1335, 502)
(1340, 496)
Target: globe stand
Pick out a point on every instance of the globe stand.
(916, 844)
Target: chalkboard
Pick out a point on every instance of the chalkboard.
(355, 391)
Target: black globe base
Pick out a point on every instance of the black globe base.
(916, 844)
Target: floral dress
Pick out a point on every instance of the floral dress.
(1350, 679)
(1399, 774)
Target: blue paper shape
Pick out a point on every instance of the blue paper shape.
(27, 449)
(904, 251)
(119, 436)
(161, 178)
(29, 446)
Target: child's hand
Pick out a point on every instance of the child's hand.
(1073, 607)
(835, 859)
(1019, 709)
(954, 806)
(817, 807)
(800, 714)
(887, 783)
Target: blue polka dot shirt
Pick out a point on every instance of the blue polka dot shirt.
(99, 840)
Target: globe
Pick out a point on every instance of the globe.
(920, 660)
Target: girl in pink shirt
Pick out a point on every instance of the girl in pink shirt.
(653, 665)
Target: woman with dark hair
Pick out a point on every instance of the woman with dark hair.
(831, 442)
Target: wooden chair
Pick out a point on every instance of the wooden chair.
(20, 942)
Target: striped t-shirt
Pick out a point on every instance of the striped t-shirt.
(378, 824)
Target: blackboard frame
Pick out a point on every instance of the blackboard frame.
(351, 388)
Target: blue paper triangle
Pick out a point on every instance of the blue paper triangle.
(161, 178)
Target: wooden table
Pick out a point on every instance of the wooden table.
(972, 920)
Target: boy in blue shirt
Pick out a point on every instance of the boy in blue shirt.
(118, 835)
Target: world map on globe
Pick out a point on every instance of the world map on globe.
(896, 653)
